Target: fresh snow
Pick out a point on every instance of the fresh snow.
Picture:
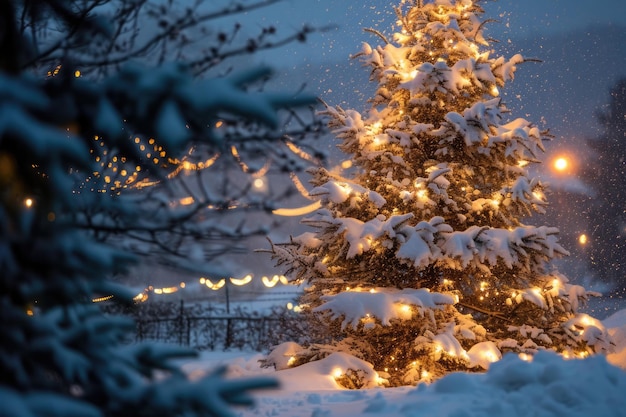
(547, 385)
(384, 303)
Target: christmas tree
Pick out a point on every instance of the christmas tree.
(419, 263)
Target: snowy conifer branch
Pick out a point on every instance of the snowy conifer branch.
(87, 172)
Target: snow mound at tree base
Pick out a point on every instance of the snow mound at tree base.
(616, 325)
(547, 386)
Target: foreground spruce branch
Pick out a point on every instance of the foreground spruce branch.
(420, 263)
(59, 354)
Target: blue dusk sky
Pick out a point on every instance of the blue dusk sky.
(516, 19)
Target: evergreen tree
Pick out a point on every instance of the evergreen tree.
(419, 263)
(607, 214)
(59, 354)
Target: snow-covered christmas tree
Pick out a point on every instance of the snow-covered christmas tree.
(419, 263)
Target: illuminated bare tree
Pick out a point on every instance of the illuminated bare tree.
(59, 355)
(183, 197)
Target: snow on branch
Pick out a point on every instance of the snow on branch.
(384, 304)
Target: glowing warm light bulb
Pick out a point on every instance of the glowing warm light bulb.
(337, 372)
(270, 282)
(241, 281)
(561, 164)
(185, 201)
(588, 321)
(583, 239)
(28, 202)
(259, 183)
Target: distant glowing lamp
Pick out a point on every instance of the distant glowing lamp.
(583, 239)
(560, 164)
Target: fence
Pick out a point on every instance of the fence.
(211, 328)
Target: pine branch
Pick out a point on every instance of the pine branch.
(485, 311)
(377, 33)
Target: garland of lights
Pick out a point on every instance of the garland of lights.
(143, 296)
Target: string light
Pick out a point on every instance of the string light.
(215, 286)
(260, 184)
(186, 201)
(101, 299)
(267, 282)
(242, 281)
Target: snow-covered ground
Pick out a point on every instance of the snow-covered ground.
(546, 386)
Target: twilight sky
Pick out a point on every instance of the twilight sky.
(518, 18)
